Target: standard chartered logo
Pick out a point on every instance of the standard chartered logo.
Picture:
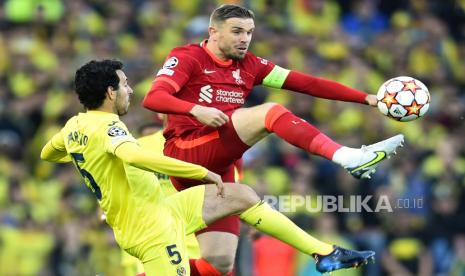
(206, 94)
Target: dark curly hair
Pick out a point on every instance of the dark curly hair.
(93, 79)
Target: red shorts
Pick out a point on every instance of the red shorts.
(217, 149)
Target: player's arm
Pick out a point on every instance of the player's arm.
(319, 87)
(161, 99)
(149, 160)
(139, 157)
(176, 72)
(161, 96)
(55, 151)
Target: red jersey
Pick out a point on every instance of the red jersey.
(201, 78)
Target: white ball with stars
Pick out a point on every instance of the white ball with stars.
(403, 98)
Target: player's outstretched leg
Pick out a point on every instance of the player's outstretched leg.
(254, 123)
(241, 199)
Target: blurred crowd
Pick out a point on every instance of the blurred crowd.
(49, 222)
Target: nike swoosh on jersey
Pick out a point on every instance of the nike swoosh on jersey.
(208, 71)
(380, 155)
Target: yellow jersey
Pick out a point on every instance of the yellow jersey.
(127, 195)
(156, 142)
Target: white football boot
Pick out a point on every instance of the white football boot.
(362, 162)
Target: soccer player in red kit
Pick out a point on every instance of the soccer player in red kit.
(203, 88)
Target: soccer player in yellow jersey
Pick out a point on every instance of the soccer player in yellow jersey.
(147, 224)
(152, 138)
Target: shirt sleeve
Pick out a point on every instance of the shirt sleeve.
(262, 68)
(55, 150)
(322, 88)
(149, 160)
(160, 99)
(116, 134)
(175, 73)
(177, 69)
(57, 142)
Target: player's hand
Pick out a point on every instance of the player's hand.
(209, 116)
(214, 178)
(371, 100)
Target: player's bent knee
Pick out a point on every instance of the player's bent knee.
(224, 264)
(268, 106)
(246, 196)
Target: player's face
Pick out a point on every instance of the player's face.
(234, 36)
(123, 94)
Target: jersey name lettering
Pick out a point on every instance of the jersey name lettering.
(78, 137)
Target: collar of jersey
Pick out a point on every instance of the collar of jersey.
(102, 113)
(214, 57)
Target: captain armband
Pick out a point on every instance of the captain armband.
(276, 77)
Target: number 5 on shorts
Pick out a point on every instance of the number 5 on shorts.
(174, 254)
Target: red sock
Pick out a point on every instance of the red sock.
(201, 267)
(299, 133)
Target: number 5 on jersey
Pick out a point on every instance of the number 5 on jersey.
(79, 158)
(174, 254)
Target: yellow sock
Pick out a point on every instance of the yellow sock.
(271, 222)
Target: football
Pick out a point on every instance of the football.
(403, 98)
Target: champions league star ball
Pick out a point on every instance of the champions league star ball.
(403, 98)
